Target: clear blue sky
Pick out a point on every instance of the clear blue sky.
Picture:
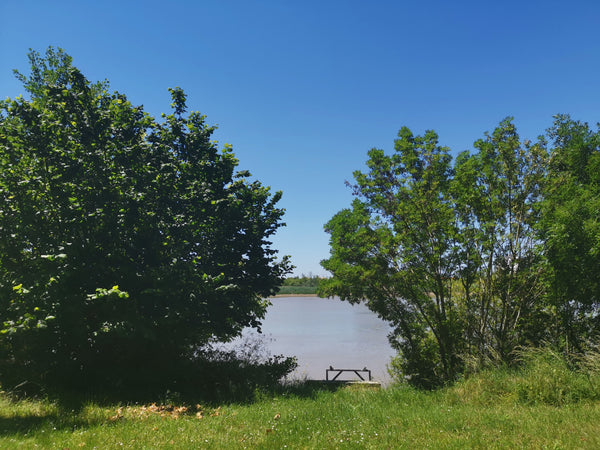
(303, 89)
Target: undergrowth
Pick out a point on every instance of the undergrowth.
(543, 376)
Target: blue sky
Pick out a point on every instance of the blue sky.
(303, 89)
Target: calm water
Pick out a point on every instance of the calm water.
(327, 332)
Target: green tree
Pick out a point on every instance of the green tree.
(446, 253)
(125, 243)
(497, 193)
(570, 229)
(395, 248)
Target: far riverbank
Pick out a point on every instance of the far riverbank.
(293, 295)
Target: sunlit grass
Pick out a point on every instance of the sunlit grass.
(547, 403)
(396, 417)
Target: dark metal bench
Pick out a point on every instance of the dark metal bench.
(340, 371)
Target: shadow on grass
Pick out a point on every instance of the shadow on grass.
(211, 378)
(65, 409)
(208, 394)
(22, 424)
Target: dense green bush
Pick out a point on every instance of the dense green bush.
(125, 243)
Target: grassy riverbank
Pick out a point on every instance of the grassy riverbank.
(391, 418)
(493, 410)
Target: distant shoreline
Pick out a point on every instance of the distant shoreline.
(293, 295)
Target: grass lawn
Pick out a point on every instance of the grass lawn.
(307, 416)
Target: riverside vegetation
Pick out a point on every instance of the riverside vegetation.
(485, 265)
(302, 285)
(474, 255)
(548, 403)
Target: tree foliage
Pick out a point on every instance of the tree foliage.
(125, 243)
(444, 251)
(570, 229)
(303, 280)
(497, 191)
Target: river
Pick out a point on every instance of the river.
(326, 332)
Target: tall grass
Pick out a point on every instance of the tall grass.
(544, 376)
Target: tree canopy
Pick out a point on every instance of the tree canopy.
(125, 242)
(570, 229)
(460, 254)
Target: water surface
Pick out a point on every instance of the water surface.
(327, 332)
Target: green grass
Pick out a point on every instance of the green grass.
(306, 417)
(548, 403)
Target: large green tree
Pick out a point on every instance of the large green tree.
(497, 192)
(570, 229)
(125, 243)
(395, 248)
(445, 252)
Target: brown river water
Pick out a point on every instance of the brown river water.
(326, 332)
